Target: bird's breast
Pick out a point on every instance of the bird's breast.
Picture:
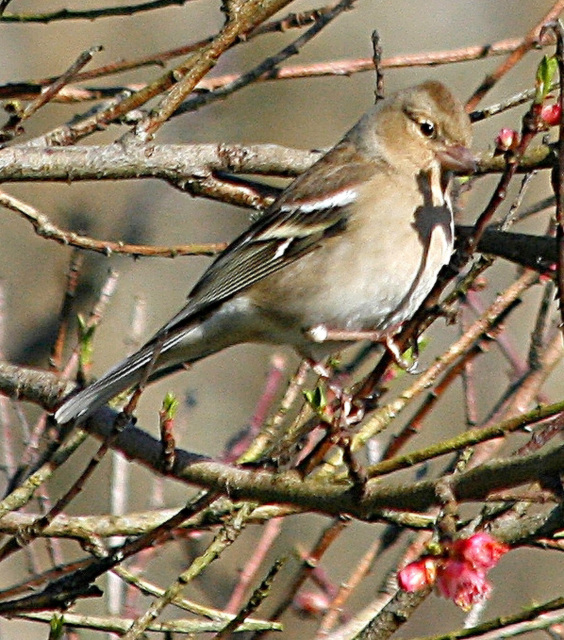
(371, 276)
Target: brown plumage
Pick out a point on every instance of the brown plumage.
(353, 244)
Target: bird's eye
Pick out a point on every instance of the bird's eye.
(427, 128)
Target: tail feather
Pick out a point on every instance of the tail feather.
(118, 379)
(186, 344)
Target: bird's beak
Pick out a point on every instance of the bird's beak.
(457, 158)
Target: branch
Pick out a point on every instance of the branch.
(90, 14)
(344, 67)
(29, 89)
(288, 488)
(184, 79)
(534, 252)
(133, 524)
(266, 67)
(501, 626)
(176, 163)
(329, 497)
(46, 229)
(529, 42)
(189, 163)
(121, 624)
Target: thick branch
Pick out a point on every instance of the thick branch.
(187, 162)
(176, 163)
(288, 488)
(326, 497)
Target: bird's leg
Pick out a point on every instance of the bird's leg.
(322, 369)
(321, 333)
(396, 353)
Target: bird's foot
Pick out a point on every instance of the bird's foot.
(322, 369)
(396, 353)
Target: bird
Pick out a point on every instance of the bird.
(352, 246)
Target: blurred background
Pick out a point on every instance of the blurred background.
(219, 395)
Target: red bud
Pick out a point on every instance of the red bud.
(550, 113)
(418, 575)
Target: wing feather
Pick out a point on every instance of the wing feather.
(290, 228)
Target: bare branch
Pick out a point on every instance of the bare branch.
(90, 14)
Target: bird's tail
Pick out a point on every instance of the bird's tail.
(124, 375)
(170, 349)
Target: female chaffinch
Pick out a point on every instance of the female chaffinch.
(353, 245)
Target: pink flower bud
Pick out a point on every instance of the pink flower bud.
(550, 113)
(418, 575)
(481, 551)
(506, 140)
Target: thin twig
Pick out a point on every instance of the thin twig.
(326, 539)
(90, 14)
(225, 537)
(558, 171)
(184, 78)
(252, 604)
(360, 571)
(516, 100)
(17, 542)
(273, 428)
(530, 41)
(46, 229)
(495, 628)
(384, 415)
(75, 266)
(53, 88)
(28, 89)
(266, 67)
(259, 551)
(237, 446)
(168, 628)
(377, 61)
(468, 438)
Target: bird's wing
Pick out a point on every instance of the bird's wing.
(290, 228)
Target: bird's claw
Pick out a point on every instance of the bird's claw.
(394, 350)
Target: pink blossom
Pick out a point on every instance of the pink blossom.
(418, 575)
(466, 586)
(460, 572)
(480, 551)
